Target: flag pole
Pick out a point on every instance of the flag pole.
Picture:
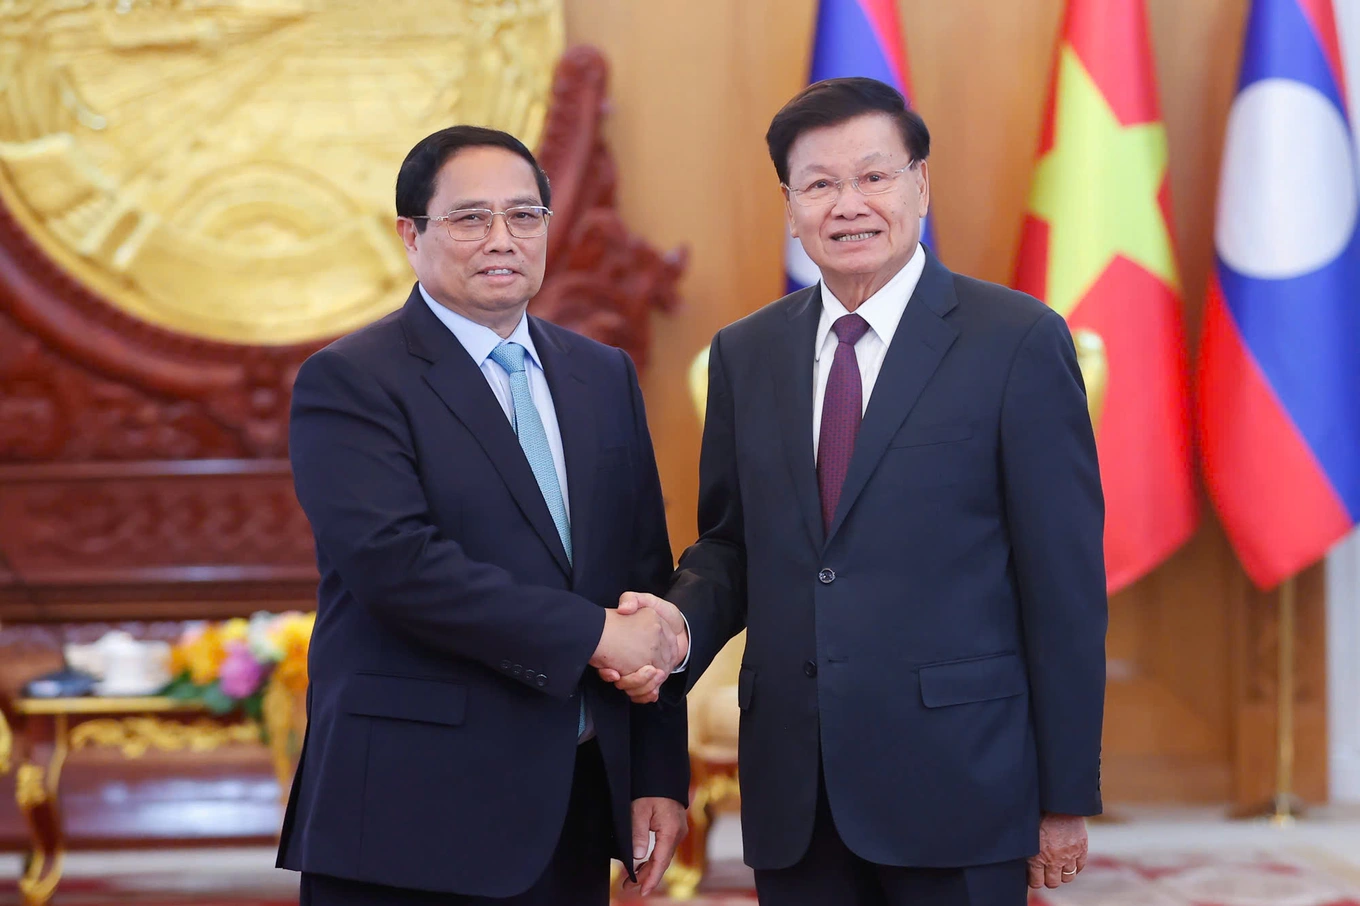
(1285, 806)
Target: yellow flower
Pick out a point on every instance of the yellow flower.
(293, 674)
(293, 636)
(202, 652)
(178, 661)
(205, 655)
(235, 630)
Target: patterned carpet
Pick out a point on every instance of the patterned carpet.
(1304, 878)
(1211, 880)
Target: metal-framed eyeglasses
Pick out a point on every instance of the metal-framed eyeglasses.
(472, 224)
(822, 191)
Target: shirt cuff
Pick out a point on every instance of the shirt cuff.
(685, 662)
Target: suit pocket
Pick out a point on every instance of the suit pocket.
(973, 680)
(405, 698)
(927, 435)
(746, 688)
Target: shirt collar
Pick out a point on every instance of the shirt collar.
(479, 339)
(883, 310)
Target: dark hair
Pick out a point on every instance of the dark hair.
(833, 101)
(415, 179)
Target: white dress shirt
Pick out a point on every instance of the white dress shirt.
(479, 341)
(883, 310)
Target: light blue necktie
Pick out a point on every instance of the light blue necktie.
(534, 440)
(532, 437)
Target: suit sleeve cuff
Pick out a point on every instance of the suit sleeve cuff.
(685, 663)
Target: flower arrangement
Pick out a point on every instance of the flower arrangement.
(230, 665)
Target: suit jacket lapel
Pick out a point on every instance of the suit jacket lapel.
(792, 361)
(919, 345)
(580, 442)
(463, 388)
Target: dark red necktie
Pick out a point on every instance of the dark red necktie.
(842, 409)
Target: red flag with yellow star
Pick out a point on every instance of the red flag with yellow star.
(1097, 248)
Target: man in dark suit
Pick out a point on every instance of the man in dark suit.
(899, 500)
(482, 488)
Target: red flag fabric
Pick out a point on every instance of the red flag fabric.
(1097, 248)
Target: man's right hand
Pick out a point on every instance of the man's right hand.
(644, 685)
(636, 641)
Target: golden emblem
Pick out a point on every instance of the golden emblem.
(225, 169)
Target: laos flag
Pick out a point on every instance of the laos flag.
(853, 38)
(1279, 360)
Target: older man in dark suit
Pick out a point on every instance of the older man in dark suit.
(899, 499)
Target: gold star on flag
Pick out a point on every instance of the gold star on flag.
(1098, 189)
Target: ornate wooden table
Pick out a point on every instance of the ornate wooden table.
(41, 733)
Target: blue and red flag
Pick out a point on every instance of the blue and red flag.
(1279, 359)
(853, 38)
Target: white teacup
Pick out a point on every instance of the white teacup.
(130, 667)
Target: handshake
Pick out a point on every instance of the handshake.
(644, 640)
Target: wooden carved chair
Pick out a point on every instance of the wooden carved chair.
(713, 721)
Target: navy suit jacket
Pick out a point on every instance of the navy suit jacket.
(452, 637)
(939, 652)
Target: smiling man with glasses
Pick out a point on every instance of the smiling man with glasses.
(482, 489)
(899, 500)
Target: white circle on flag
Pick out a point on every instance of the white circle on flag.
(798, 265)
(1287, 199)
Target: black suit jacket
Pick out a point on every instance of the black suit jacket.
(452, 635)
(940, 651)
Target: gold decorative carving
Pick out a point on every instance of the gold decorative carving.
(36, 886)
(682, 879)
(60, 749)
(29, 789)
(285, 719)
(134, 736)
(94, 704)
(1095, 370)
(712, 791)
(6, 744)
(32, 790)
(698, 383)
(225, 169)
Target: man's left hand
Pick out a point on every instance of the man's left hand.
(667, 818)
(1062, 851)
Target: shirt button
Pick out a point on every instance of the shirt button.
(810, 668)
(826, 576)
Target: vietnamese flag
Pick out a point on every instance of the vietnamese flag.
(1097, 248)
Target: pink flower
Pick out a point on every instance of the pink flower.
(241, 673)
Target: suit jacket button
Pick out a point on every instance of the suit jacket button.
(810, 668)
(505, 665)
(517, 670)
(542, 680)
(826, 576)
